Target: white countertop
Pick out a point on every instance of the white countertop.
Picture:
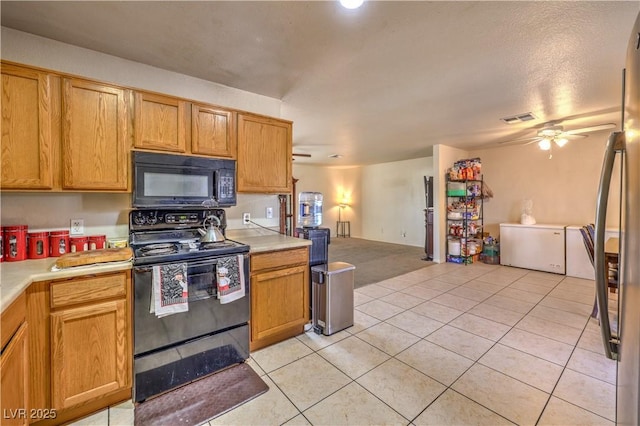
(15, 277)
(263, 240)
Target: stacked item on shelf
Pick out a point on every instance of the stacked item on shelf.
(464, 211)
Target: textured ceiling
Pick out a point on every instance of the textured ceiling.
(382, 83)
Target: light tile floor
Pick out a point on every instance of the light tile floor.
(445, 345)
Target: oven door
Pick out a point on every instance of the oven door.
(206, 315)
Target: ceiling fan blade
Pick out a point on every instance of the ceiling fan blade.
(572, 136)
(591, 129)
(525, 141)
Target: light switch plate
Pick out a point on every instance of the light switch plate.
(269, 212)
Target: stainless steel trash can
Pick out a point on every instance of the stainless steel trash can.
(332, 297)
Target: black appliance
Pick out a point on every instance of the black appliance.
(173, 350)
(182, 181)
(318, 252)
(320, 240)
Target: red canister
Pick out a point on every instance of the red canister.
(1, 245)
(15, 243)
(78, 244)
(97, 242)
(58, 243)
(38, 245)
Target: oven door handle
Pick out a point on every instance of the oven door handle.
(189, 264)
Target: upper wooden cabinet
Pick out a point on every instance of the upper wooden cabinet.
(64, 133)
(264, 154)
(213, 131)
(27, 145)
(160, 122)
(165, 123)
(95, 149)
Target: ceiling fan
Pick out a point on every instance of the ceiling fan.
(553, 133)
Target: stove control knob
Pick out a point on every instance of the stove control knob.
(139, 218)
(152, 219)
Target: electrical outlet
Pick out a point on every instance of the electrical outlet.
(269, 213)
(246, 218)
(77, 227)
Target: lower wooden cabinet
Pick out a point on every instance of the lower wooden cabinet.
(80, 344)
(90, 339)
(279, 295)
(93, 337)
(14, 365)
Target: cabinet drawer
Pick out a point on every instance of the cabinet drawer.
(12, 317)
(279, 259)
(88, 289)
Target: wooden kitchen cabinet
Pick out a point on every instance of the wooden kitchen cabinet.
(80, 344)
(95, 136)
(160, 122)
(264, 154)
(14, 364)
(279, 295)
(27, 119)
(89, 328)
(213, 131)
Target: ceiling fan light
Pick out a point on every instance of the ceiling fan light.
(561, 142)
(544, 144)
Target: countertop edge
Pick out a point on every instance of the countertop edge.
(16, 277)
(266, 243)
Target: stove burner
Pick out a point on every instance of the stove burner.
(157, 249)
(216, 245)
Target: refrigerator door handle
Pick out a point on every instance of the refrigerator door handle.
(615, 143)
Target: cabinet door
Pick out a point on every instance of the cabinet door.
(212, 131)
(160, 122)
(14, 379)
(264, 154)
(27, 146)
(93, 337)
(279, 302)
(94, 137)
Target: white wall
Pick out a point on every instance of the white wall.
(103, 214)
(393, 201)
(386, 201)
(443, 158)
(334, 183)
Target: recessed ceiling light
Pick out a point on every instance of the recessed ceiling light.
(335, 156)
(351, 4)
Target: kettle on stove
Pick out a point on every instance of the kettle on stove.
(213, 233)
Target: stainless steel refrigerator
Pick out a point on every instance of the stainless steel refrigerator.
(623, 343)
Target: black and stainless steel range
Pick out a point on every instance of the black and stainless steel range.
(171, 265)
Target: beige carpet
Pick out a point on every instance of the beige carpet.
(376, 261)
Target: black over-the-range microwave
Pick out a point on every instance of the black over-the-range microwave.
(169, 180)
